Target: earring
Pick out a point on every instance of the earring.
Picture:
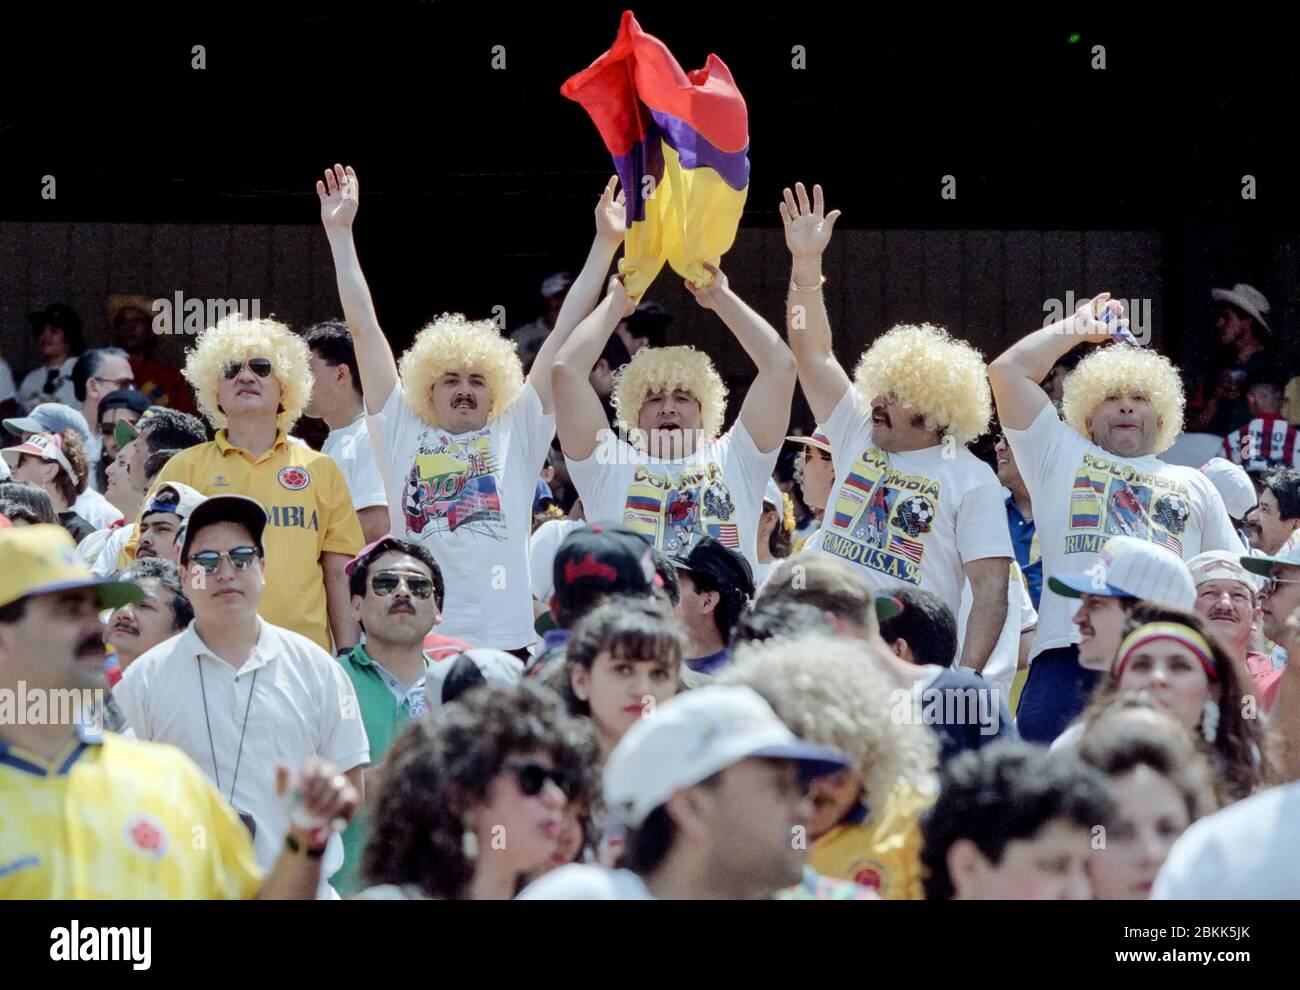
(1210, 720)
(469, 844)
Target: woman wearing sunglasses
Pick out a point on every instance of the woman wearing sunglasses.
(473, 797)
(1176, 658)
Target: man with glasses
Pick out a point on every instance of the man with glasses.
(239, 695)
(253, 381)
(1281, 593)
(397, 594)
(125, 405)
(97, 373)
(1226, 596)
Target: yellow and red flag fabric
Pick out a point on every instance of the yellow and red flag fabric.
(680, 143)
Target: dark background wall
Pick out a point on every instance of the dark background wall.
(478, 182)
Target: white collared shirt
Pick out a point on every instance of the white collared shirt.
(302, 704)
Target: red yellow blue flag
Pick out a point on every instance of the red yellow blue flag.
(680, 143)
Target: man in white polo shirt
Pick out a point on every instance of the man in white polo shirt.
(712, 787)
(239, 695)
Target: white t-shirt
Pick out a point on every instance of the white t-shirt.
(914, 517)
(31, 393)
(1084, 495)
(1000, 668)
(94, 451)
(542, 547)
(109, 550)
(717, 490)
(302, 704)
(349, 447)
(468, 498)
(95, 509)
(1247, 851)
(585, 882)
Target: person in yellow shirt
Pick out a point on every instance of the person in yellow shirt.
(253, 380)
(865, 820)
(87, 814)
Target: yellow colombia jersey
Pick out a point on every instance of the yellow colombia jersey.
(310, 511)
(118, 820)
(883, 852)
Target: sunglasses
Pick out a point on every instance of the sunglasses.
(1270, 584)
(118, 383)
(385, 583)
(532, 777)
(241, 558)
(261, 367)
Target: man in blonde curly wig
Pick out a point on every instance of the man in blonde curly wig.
(252, 381)
(1094, 476)
(910, 504)
(678, 477)
(459, 434)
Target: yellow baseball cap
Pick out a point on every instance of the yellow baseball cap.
(42, 559)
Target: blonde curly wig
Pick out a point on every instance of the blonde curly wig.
(453, 342)
(238, 338)
(1124, 368)
(942, 378)
(827, 691)
(654, 369)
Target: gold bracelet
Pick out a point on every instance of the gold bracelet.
(796, 287)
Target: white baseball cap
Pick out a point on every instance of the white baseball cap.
(694, 735)
(1131, 568)
(1221, 565)
(772, 494)
(1234, 485)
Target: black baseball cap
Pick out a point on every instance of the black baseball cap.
(240, 509)
(125, 398)
(602, 557)
(706, 555)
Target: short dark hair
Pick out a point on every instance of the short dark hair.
(779, 620)
(630, 628)
(649, 843)
(156, 461)
(360, 575)
(668, 574)
(443, 763)
(927, 624)
(170, 578)
(1284, 483)
(732, 601)
(88, 365)
(1001, 793)
(171, 429)
(31, 497)
(332, 341)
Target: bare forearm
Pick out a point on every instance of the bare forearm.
(295, 877)
(808, 325)
(338, 601)
(760, 341)
(579, 353)
(578, 303)
(988, 615)
(374, 356)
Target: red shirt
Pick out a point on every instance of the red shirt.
(163, 384)
(1266, 678)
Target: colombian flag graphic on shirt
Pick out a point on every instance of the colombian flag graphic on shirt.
(680, 143)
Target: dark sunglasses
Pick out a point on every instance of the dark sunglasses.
(261, 367)
(532, 777)
(241, 558)
(385, 583)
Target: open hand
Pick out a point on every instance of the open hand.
(807, 226)
(611, 213)
(339, 195)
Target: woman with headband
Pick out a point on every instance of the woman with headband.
(1176, 659)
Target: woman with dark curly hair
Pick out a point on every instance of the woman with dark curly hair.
(1176, 657)
(474, 796)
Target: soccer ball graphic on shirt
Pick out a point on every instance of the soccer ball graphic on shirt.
(914, 515)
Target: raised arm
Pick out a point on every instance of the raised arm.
(766, 410)
(584, 292)
(339, 195)
(1015, 373)
(807, 233)
(579, 415)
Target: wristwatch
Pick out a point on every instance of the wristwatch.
(301, 849)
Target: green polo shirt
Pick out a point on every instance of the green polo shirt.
(383, 718)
